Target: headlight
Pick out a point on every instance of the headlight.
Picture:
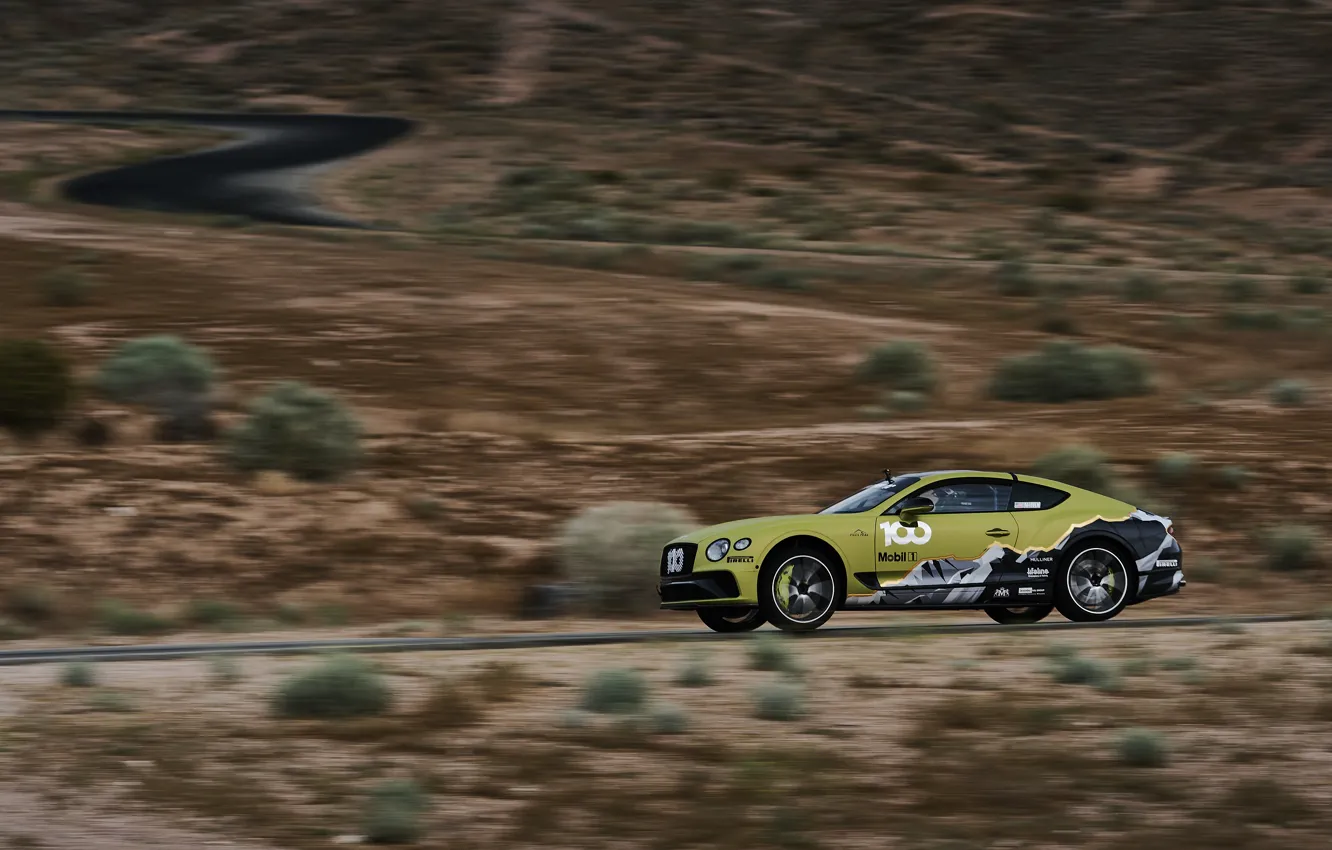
(717, 549)
(742, 544)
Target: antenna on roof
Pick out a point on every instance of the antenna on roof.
(887, 476)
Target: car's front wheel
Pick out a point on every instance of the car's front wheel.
(1019, 616)
(731, 619)
(799, 590)
(1094, 584)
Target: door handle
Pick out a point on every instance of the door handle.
(998, 532)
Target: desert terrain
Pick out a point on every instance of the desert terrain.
(630, 257)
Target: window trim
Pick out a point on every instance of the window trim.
(963, 479)
(1012, 498)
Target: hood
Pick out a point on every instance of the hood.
(738, 528)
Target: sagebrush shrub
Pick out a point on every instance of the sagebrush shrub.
(65, 287)
(778, 701)
(1233, 477)
(164, 373)
(449, 706)
(299, 430)
(1175, 468)
(614, 691)
(1065, 371)
(694, 674)
(393, 812)
(121, 619)
(1015, 279)
(1308, 284)
(1242, 289)
(768, 652)
(612, 552)
(669, 720)
(1289, 393)
(1141, 287)
(78, 674)
(1293, 547)
(901, 365)
(1143, 748)
(338, 687)
(1081, 466)
(36, 386)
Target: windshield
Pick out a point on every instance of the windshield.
(872, 496)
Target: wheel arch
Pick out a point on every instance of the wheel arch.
(1107, 540)
(813, 541)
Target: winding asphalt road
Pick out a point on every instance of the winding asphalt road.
(164, 652)
(260, 176)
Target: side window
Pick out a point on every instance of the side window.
(1035, 497)
(969, 497)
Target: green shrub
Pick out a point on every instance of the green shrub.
(778, 701)
(1175, 468)
(1241, 289)
(1308, 284)
(1289, 393)
(1141, 287)
(1233, 477)
(65, 287)
(789, 280)
(30, 603)
(213, 613)
(669, 720)
(1292, 548)
(36, 386)
(338, 687)
(393, 812)
(1065, 371)
(299, 430)
(612, 552)
(1254, 320)
(1077, 670)
(164, 373)
(694, 674)
(1142, 748)
(78, 674)
(1013, 278)
(1080, 466)
(614, 691)
(902, 365)
(769, 652)
(121, 619)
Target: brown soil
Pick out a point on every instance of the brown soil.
(962, 737)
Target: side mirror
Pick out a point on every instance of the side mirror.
(912, 508)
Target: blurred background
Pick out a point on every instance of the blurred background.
(725, 259)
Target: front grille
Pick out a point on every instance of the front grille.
(678, 559)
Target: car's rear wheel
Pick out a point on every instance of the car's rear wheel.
(731, 619)
(1018, 616)
(799, 589)
(1094, 584)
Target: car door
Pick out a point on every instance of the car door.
(948, 545)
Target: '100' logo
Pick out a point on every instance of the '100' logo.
(902, 535)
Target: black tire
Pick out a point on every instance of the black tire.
(731, 619)
(1018, 616)
(1081, 596)
(822, 588)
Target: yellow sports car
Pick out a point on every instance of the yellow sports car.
(1013, 545)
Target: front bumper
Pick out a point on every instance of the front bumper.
(707, 587)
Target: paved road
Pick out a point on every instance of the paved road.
(162, 652)
(259, 176)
